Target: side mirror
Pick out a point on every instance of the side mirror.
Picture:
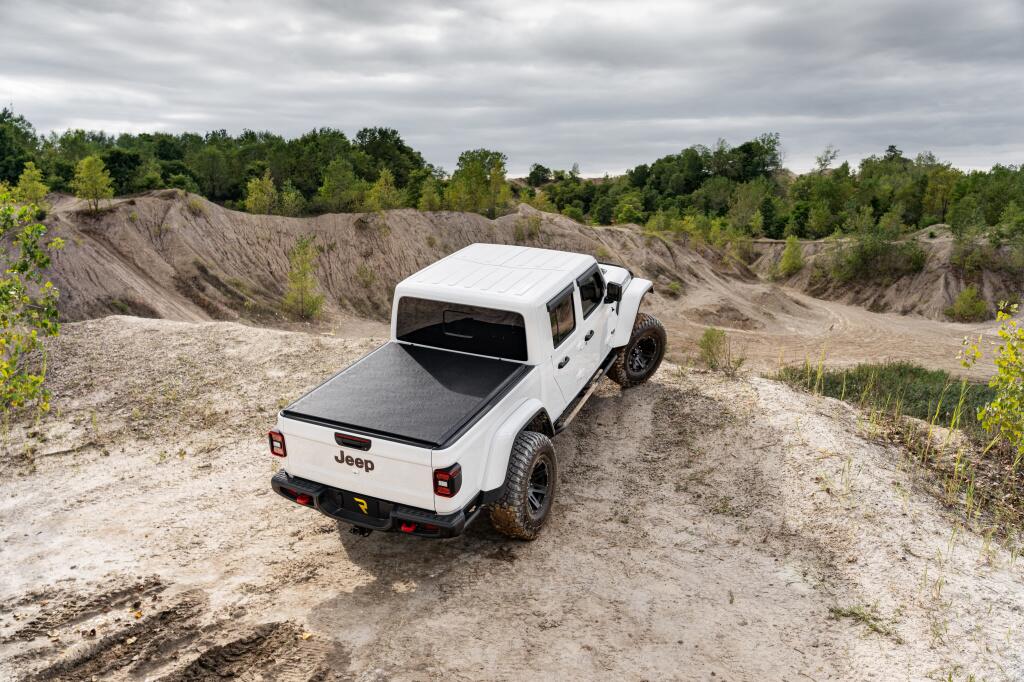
(613, 292)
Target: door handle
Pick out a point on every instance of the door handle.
(589, 336)
(563, 363)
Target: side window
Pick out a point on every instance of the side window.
(563, 317)
(591, 291)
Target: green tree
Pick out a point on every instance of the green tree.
(340, 190)
(261, 195)
(539, 175)
(478, 183)
(383, 195)
(792, 260)
(1011, 220)
(430, 195)
(31, 189)
(17, 145)
(819, 221)
(939, 191)
(92, 182)
(28, 305)
(290, 201)
(629, 208)
(301, 298)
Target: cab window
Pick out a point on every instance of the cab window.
(591, 291)
(562, 316)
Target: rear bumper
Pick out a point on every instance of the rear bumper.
(393, 517)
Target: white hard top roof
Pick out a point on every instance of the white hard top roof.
(497, 273)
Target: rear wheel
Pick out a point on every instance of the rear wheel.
(529, 487)
(640, 358)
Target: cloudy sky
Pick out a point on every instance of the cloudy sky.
(604, 84)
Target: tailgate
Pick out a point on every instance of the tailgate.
(387, 470)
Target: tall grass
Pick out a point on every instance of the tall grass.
(899, 387)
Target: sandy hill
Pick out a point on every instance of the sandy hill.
(927, 293)
(169, 255)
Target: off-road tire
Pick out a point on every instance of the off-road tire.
(647, 329)
(512, 514)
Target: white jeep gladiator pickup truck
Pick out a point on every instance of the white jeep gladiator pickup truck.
(493, 351)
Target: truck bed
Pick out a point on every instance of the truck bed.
(421, 396)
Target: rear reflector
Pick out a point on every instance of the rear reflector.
(276, 439)
(304, 499)
(407, 527)
(448, 481)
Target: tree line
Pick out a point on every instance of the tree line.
(722, 193)
(319, 172)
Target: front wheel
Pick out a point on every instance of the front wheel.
(529, 487)
(639, 359)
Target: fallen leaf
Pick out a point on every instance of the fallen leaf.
(306, 635)
(130, 640)
(138, 614)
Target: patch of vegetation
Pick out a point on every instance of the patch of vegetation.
(716, 352)
(872, 257)
(603, 254)
(866, 617)
(675, 289)
(365, 275)
(903, 387)
(969, 306)
(301, 298)
(28, 304)
(431, 241)
(792, 260)
(195, 206)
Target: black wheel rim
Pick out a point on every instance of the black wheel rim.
(642, 355)
(537, 490)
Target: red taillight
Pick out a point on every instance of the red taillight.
(448, 481)
(277, 443)
(407, 527)
(304, 499)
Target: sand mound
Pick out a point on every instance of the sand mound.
(927, 293)
(165, 254)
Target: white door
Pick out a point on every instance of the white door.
(567, 339)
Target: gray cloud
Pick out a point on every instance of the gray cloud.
(605, 84)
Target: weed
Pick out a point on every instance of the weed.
(133, 217)
(603, 254)
(195, 206)
(365, 275)
(716, 352)
(866, 617)
(675, 289)
(431, 241)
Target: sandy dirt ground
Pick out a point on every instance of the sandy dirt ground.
(705, 528)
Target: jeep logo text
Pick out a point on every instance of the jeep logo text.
(357, 462)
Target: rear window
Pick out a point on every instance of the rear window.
(466, 328)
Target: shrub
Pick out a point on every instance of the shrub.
(792, 260)
(872, 257)
(301, 298)
(574, 212)
(603, 253)
(716, 351)
(1003, 415)
(195, 206)
(533, 227)
(28, 305)
(969, 306)
(675, 289)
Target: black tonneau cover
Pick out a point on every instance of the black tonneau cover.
(424, 396)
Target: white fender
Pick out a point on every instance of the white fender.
(501, 443)
(629, 306)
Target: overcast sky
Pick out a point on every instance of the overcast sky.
(605, 84)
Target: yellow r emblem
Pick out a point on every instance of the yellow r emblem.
(361, 503)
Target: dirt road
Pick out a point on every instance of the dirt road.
(704, 526)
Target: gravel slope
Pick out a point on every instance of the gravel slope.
(704, 525)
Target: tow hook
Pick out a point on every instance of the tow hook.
(361, 532)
